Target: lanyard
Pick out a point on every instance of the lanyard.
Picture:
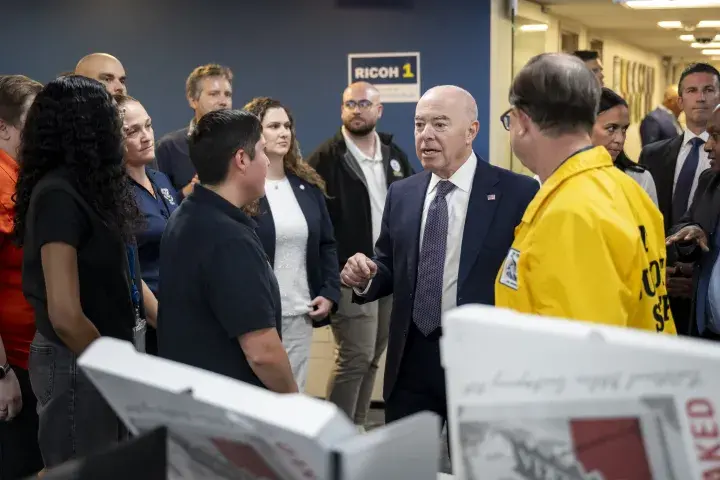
(577, 152)
(134, 292)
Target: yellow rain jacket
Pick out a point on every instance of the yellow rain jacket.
(591, 246)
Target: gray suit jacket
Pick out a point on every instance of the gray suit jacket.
(658, 125)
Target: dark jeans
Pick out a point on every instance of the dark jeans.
(19, 452)
(74, 418)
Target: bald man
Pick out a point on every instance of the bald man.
(445, 233)
(358, 165)
(104, 68)
(662, 123)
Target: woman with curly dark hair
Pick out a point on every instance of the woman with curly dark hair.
(297, 234)
(75, 216)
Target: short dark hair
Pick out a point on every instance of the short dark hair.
(610, 99)
(586, 55)
(558, 92)
(218, 136)
(15, 90)
(697, 68)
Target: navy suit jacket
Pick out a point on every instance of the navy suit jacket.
(321, 257)
(657, 125)
(498, 200)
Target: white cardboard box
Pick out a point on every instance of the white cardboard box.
(220, 427)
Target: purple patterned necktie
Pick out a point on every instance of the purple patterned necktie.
(427, 307)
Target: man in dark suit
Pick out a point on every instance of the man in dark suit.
(676, 165)
(445, 233)
(696, 239)
(662, 123)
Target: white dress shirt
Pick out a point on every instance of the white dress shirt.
(703, 163)
(374, 172)
(457, 202)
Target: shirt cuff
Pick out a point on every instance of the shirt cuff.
(362, 293)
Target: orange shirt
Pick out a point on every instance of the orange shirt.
(17, 321)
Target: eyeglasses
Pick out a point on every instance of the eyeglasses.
(505, 119)
(362, 104)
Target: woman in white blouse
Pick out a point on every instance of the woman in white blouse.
(295, 229)
(610, 131)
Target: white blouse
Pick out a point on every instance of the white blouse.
(291, 235)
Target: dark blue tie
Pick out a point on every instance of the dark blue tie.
(427, 307)
(681, 198)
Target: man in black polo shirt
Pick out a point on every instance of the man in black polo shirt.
(219, 300)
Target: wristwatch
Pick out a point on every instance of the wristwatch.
(5, 370)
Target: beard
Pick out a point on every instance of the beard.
(361, 130)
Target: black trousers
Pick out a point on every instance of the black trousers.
(19, 452)
(150, 341)
(420, 384)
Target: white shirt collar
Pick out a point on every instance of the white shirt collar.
(357, 153)
(462, 178)
(689, 136)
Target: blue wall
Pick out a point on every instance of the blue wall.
(294, 50)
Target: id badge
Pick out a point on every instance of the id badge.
(139, 334)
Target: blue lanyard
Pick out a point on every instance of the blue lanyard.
(133, 289)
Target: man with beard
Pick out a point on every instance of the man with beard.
(358, 164)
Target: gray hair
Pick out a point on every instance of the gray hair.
(558, 92)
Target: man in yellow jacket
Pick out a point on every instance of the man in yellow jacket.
(591, 244)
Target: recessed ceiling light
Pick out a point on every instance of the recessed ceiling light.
(687, 38)
(709, 24)
(705, 45)
(658, 4)
(537, 27)
(670, 24)
(711, 51)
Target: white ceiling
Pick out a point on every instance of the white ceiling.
(637, 27)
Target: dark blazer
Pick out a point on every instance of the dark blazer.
(657, 125)
(704, 212)
(321, 257)
(660, 159)
(498, 200)
(348, 198)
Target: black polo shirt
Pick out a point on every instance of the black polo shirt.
(215, 285)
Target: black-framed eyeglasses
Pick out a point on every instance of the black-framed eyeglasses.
(362, 104)
(505, 119)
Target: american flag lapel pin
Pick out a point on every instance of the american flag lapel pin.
(491, 196)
